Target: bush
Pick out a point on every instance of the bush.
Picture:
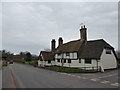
(4, 65)
(33, 63)
(68, 70)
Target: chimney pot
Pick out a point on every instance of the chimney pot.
(84, 26)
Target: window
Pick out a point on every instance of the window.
(58, 60)
(59, 54)
(69, 61)
(108, 51)
(88, 61)
(79, 60)
(49, 61)
(64, 60)
(61, 60)
(67, 54)
(73, 55)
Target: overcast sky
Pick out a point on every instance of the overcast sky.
(32, 26)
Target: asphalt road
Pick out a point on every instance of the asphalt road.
(0, 74)
(25, 76)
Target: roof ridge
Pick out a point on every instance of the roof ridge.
(96, 40)
(71, 41)
(46, 51)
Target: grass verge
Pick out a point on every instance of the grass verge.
(4, 65)
(68, 69)
(33, 63)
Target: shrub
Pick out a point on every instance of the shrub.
(68, 70)
(4, 65)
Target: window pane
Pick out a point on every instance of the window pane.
(59, 54)
(67, 54)
(69, 61)
(64, 60)
(108, 51)
(88, 61)
(49, 61)
(79, 60)
(58, 60)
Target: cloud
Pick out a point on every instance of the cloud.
(45, 8)
(31, 26)
(0, 25)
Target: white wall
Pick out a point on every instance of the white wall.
(63, 55)
(75, 63)
(43, 63)
(108, 61)
(40, 63)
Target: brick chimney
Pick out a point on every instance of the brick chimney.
(53, 45)
(83, 33)
(60, 41)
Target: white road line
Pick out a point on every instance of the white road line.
(73, 75)
(105, 82)
(107, 76)
(58, 72)
(84, 78)
(63, 73)
(69, 74)
(115, 84)
(94, 79)
(78, 76)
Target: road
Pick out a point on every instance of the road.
(0, 74)
(26, 76)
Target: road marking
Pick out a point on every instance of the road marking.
(107, 76)
(12, 78)
(115, 84)
(84, 78)
(73, 75)
(69, 74)
(94, 79)
(78, 76)
(105, 82)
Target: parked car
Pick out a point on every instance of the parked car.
(11, 62)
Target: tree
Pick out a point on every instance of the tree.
(34, 57)
(28, 56)
(6, 55)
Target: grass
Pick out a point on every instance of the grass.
(33, 63)
(4, 65)
(68, 69)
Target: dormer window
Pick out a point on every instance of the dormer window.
(108, 51)
(67, 54)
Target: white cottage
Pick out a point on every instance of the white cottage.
(46, 58)
(95, 54)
